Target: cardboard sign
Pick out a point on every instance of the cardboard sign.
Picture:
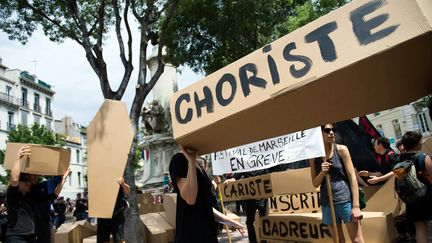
(264, 154)
(265, 186)
(44, 159)
(308, 227)
(329, 70)
(110, 136)
(307, 202)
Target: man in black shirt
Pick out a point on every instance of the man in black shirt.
(80, 208)
(114, 225)
(59, 212)
(386, 159)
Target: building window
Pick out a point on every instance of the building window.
(397, 128)
(37, 119)
(24, 118)
(77, 156)
(36, 105)
(70, 179)
(380, 129)
(377, 113)
(8, 90)
(79, 179)
(424, 127)
(10, 124)
(24, 101)
(48, 107)
(48, 124)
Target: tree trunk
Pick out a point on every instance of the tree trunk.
(134, 228)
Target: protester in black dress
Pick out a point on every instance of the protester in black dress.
(195, 217)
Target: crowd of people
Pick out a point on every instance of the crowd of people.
(198, 205)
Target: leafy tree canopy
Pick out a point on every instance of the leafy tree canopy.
(208, 35)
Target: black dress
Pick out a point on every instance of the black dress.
(194, 223)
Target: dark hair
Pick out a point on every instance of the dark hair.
(24, 177)
(411, 139)
(333, 125)
(385, 142)
(179, 158)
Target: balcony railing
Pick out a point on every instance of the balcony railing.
(10, 126)
(24, 103)
(9, 99)
(37, 108)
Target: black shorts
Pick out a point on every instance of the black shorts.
(108, 227)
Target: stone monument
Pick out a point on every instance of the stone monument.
(157, 139)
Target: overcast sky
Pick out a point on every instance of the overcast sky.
(65, 67)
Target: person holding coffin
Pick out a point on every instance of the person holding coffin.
(338, 165)
(20, 204)
(195, 216)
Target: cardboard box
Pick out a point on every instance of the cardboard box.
(377, 227)
(110, 136)
(307, 202)
(74, 232)
(385, 199)
(155, 232)
(265, 186)
(329, 70)
(170, 206)
(146, 204)
(93, 239)
(427, 146)
(44, 159)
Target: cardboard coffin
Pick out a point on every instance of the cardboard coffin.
(265, 186)
(110, 136)
(169, 203)
(157, 229)
(74, 232)
(308, 227)
(44, 159)
(93, 239)
(356, 60)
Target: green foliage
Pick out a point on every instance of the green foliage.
(208, 35)
(135, 162)
(37, 134)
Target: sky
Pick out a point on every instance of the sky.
(65, 67)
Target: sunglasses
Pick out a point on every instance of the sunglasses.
(328, 130)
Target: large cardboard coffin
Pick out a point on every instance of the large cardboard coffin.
(356, 60)
(43, 160)
(385, 199)
(377, 227)
(265, 186)
(110, 136)
(74, 232)
(158, 230)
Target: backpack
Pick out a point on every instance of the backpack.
(409, 188)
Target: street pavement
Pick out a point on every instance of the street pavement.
(235, 236)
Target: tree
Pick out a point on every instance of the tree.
(87, 23)
(36, 134)
(208, 35)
